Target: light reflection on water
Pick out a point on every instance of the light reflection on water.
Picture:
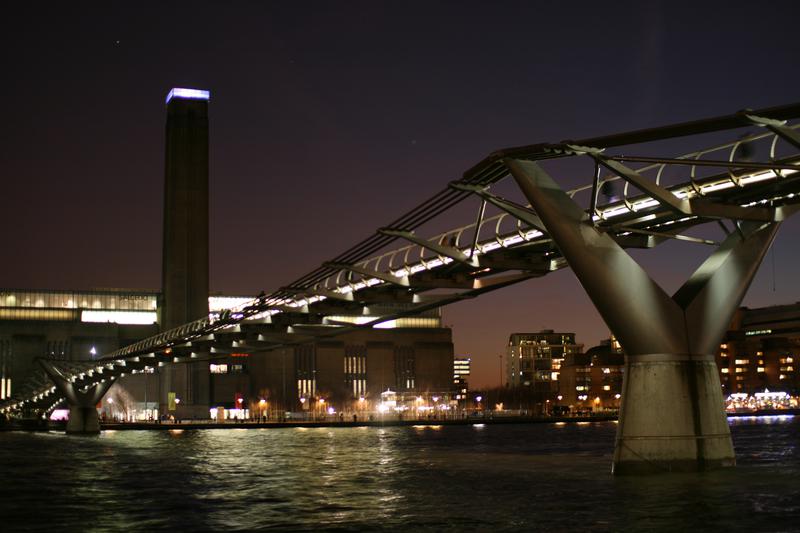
(474, 477)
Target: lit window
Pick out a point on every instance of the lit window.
(760, 369)
(724, 371)
(606, 387)
(742, 361)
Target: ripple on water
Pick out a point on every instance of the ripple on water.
(451, 478)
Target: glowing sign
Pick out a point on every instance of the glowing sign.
(191, 94)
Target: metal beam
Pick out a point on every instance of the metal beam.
(447, 251)
(650, 188)
(333, 295)
(370, 273)
(704, 162)
(676, 236)
(694, 206)
(778, 127)
(517, 211)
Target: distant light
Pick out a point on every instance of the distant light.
(120, 317)
(190, 94)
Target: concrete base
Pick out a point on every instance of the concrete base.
(672, 416)
(83, 420)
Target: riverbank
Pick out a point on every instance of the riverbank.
(191, 424)
(40, 425)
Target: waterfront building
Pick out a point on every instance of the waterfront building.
(461, 370)
(534, 359)
(351, 371)
(760, 351)
(410, 356)
(592, 381)
(69, 326)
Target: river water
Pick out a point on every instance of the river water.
(521, 477)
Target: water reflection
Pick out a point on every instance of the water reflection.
(474, 477)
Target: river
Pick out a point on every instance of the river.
(517, 477)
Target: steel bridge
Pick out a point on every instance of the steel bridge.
(635, 195)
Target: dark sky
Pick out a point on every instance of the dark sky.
(329, 119)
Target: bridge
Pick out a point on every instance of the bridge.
(731, 197)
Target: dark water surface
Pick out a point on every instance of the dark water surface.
(526, 477)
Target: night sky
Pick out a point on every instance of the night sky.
(330, 119)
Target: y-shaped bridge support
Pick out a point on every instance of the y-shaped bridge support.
(672, 415)
(82, 403)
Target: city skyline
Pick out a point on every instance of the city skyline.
(320, 135)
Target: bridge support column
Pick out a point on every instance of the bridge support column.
(672, 413)
(83, 417)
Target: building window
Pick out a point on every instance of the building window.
(355, 369)
(305, 359)
(404, 368)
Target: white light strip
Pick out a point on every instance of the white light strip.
(189, 94)
(220, 303)
(120, 317)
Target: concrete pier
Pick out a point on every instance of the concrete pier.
(672, 414)
(83, 417)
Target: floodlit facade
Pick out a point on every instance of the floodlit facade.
(461, 371)
(68, 326)
(760, 351)
(348, 371)
(592, 381)
(412, 356)
(534, 359)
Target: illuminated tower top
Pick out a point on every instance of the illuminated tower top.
(190, 94)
